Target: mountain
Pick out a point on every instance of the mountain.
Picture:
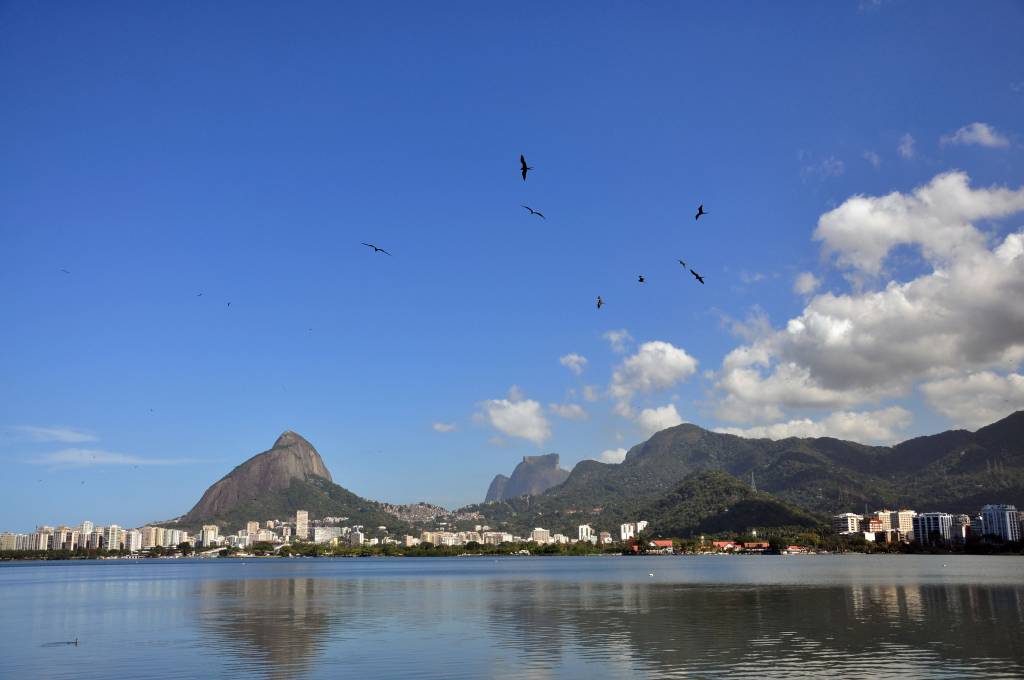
(273, 484)
(713, 502)
(534, 475)
(954, 471)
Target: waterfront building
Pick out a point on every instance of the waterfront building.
(133, 540)
(1002, 521)
(933, 528)
(960, 528)
(302, 525)
(9, 541)
(497, 537)
(847, 523)
(43, 538)
(112, 537)
(356, 538)
(884, 518)
(267, 536)
(540, 536)
(326, 534)
(158, 535)
(85, 529)
(62, 539)
(631, 530)
(148, 537)
(560, 539)
(210, 535)
(586, 533)
(604, 538)
(903, 522)
(286, 533)
(252, 527)
(410, 541)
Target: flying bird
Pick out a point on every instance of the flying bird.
(682, 263)
(641, 277)
(229, 304)
(522, 162)
(199, 295)
(700, 211)
(600, 302)
(65, 271)
(697, 276)
(376, 249)
(535, 212)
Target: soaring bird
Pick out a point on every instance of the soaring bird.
(535, 212)
(700, 211)
(682, 263)
(641, 278)
(65, 271)
(600, 302)
(376, 249)
(522, 162)
(199, 295)
(229, 304)
(697, 276)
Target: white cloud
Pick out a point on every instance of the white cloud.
(906, 147)
(980, 134)
(619, 340)
(443, 427)
(574, 362)
(651, 420)
(881, 426)
(748, 278)
(827, 167)
(656, 365)
(613, 456)
(64, 435)
(976, 399)
(806, 283)
(568, 411)
(873, 158)
(90, 457)
(591, 393)
(965, 315)
(517, 416)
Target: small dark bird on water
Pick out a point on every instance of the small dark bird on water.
(376, 249)
(535, 212)
(641, 278)
(700, 211)
(697, 276)
(522, 162)
(600, 302)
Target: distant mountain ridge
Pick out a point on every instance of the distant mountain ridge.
(534, 475)
(955, 471)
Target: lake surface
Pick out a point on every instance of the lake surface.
(827, 616)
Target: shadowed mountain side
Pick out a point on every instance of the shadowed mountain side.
(534, 475)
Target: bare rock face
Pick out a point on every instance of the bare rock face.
(535, 475)
(291, 457)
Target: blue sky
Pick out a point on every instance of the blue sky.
(244, 151)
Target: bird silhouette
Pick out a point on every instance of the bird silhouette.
(535, 212)
(700, 211)
(229, 304)
(522, 162)
(65, 271)
(199, 295)
(697, 276)
(641, 278)
(376, 249)
(682, 263)
(600, 302)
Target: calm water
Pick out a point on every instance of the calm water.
(851, 616)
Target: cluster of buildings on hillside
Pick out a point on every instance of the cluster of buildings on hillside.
(86, 536)
(931, 528)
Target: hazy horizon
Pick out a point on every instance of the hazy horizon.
(863, 247)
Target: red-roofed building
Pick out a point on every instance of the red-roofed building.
(662, 546)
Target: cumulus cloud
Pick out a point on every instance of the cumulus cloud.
(976, 399)
(63, 435)
(906, 146)
(881, 426)
(651, 420)
(574, 362)
(90, 457)
(965, 315)
(657, 365)
(591, 393)
(873, 158)
(806, 283)
(517, 416)
(613, 456)
(980, 134)
(568, 411)
(619, 340)
(443, 427)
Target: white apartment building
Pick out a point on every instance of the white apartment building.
(540, 536)
(847, 523)
(586, 533)
(326, 534)
(133, 540)
(903, 522)
(1002, 521)
(210, 535)
(630, 530)
(302, 525)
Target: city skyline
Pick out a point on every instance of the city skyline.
(159, 168)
